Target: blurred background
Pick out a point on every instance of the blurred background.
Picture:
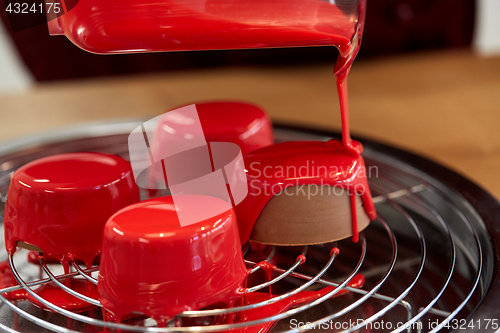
(426, 79)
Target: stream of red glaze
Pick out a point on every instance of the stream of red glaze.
(268, 269)
(7, 279)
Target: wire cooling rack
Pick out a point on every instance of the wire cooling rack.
(428, 260)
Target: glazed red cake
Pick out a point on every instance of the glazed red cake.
(59, 204)
(301, 188)
(152, 265)
(244, 124)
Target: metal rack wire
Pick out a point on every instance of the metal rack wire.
(425, 259)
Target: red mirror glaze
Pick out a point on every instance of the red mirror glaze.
(128, 26)
(152, 265)
(244, 124)
(277, 167)
(301, 298)
(55, 295)
(60, 203)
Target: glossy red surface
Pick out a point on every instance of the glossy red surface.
(128, 26)
(137, 26)
(277, 167)
(244, 124)
(7, 279)
(152, 265)
(350, 147)
(50, 292)
(55, 295)
(301, 298)
(33, 258)
(60, 203)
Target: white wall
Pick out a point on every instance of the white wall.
(14, 76)
(487, 30)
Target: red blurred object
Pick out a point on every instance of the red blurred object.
(60, 203)
(152, 265)
(54, 294)
(129, 26)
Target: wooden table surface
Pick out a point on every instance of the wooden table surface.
(443, 105)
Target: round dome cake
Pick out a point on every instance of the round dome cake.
(244, 124)
(153, 265)
(59, 204)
